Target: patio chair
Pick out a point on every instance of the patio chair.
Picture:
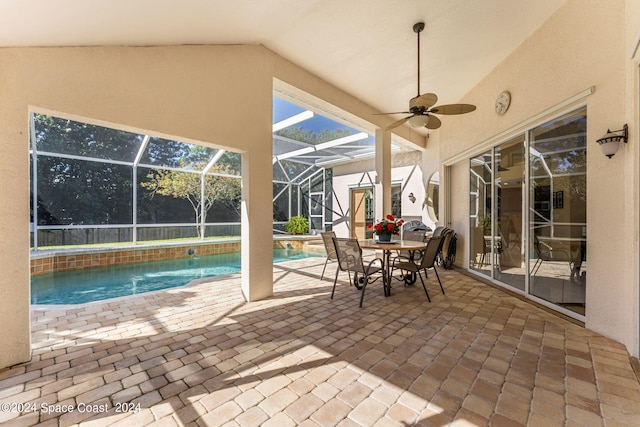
(439, 231)
(482, 245)
(447, 256)
(413, 256)
(545, 252)
(434, 246)
(418, 236)
(446, 238)
(349, 254)
(327, 240)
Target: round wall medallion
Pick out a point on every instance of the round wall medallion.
(503, 101)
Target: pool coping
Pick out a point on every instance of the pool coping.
(58, 260)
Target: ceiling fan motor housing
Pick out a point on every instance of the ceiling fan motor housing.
(421, 102)
(415, 108)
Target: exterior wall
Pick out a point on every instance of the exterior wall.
(188, 92)
(405, 169)
(346, 177)
(460, 186)
(431, 164)
(582, 45)
(632, 116)
(201, 93)
(191, 93)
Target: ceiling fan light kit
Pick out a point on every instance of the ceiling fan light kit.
(418, 121)
(421, 107)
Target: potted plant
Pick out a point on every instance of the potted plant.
(388, 227)
(486, 225)
(297, 225)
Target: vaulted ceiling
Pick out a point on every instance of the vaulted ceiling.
(365, 47)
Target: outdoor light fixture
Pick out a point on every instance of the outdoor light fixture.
(412, 198)
(610, 142)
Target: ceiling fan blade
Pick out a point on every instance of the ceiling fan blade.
(395, 112)
(425, 100)
(451, 109)
(397, 123)
(434, 122)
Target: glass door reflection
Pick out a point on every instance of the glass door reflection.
(508, 230)
(481, 256)
(558, 211)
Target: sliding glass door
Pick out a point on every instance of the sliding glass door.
(481, 194)
(508, 233)
(558, 211)
(535, 195)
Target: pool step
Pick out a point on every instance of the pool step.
(315, 245)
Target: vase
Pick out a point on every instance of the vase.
(384, 237)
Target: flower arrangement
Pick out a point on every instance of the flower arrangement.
(388, 226)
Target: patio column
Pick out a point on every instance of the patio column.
(257, 222)
(383, 174)
(15, 339)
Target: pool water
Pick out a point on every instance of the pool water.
(81, 286)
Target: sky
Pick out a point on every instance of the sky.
(283, 110)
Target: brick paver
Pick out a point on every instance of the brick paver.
(200, 355)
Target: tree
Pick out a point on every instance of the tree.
(78, 183)
(187, 185)
(76, 191)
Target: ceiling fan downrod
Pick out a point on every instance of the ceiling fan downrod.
(417, 28)
(422, 112)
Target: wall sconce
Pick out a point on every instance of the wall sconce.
(412, 198)
(610, 142)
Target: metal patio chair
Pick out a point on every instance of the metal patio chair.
(349, 254)
(327, 240)
(434, 246)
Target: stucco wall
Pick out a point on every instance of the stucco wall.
(632, 162)
(582, 45)
(459, 176)
(406, 169)
(221, 95)
(214, 95)
(192, 93)
(430, 165)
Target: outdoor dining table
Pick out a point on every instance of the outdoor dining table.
(387, 248)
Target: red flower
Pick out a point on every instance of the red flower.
(389, 225)
(369, 226)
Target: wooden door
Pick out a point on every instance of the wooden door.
(358, 213)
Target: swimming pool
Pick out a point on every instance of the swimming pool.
(95, 284)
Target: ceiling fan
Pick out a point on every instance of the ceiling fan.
(422, 108)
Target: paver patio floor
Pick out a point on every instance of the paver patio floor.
(200, 355)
